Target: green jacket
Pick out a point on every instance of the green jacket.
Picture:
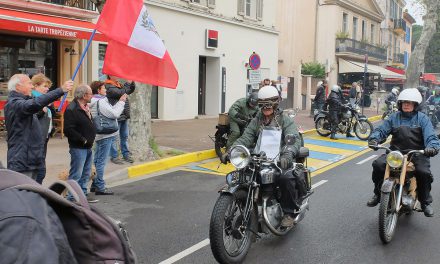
(240, 112)
(252, 132)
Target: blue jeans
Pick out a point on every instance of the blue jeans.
(100, 157)
(41, 174)
(123, 140)
(80, 166)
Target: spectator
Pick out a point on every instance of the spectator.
(25, 138)
(41, 86)
(80, 132)
(354, 94)
(114, 92)
(103, 141)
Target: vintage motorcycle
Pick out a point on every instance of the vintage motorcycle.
(392, 109)
(248, 204)
(431, 112)
(398, 192)
(362, 127)
(222, 134)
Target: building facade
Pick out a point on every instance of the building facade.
(211, 77)
(45, 36)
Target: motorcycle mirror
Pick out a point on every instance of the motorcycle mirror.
(289, 139)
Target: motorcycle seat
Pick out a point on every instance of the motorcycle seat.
(303, 152)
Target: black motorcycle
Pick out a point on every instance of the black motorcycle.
(349, 118)
(431, 112)
(248, 204)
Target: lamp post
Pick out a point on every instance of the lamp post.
(364, 82)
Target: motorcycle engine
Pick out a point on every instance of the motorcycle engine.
(274, 213)
(346, 115)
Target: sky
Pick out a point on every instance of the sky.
(415, 11)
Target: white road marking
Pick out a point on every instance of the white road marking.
(186, 252)
(205, 242)
(367, 159)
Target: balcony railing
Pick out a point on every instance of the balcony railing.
(399, 25)
(399, 58)
(83, 4)
(360, 48)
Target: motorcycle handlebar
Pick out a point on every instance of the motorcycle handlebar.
(388, 150)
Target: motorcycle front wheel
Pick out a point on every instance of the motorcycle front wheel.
(387, 215)
(230, 240)
(363, 129)
(322, 126)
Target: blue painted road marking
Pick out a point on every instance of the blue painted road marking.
(333, 144)
(325, 156)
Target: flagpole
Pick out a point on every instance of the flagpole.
(77, 66)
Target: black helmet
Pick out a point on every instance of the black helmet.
(252, 99)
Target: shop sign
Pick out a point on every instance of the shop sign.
(52, 31)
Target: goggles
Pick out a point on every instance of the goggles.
(266, 104)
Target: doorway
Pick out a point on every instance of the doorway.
(202, 86)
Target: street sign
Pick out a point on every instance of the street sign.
(254, 61)
(254, 76)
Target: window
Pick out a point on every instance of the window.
(251, 8)
(408, 35)
(355, 27)
(101, 54)
(364, 30)
(344, 22)
(372, 34)
(208, 3)
(32, 45)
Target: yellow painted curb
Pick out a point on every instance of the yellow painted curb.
(168, 163)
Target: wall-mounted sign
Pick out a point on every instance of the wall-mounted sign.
(211, 39)
(254, 61)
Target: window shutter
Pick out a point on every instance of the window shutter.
(240, 7)
(260, 9)
(211, 3)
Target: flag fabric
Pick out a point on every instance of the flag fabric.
(135, 51)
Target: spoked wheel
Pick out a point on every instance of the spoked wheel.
(230, 239)
(387, 216)
(220, 143)
(363, 129)
(322, 126)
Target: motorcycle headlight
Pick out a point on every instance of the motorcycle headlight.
(395, 159)
(239, 156)
(357, 108)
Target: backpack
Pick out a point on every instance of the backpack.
(90, 236)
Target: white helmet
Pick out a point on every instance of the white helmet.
(319, 84)
(268, 96)
(410, 94)
(336, 88)
(395, 91)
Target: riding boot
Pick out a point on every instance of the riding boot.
(333, 135)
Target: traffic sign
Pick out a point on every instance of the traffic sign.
(254, 61)
(254, 76)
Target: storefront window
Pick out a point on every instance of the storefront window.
(26, 55)
(101, 54)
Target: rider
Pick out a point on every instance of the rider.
(320, 95)
(335, 107)
(391, 98)
(435, 100)
(240, 114)
(410, 129)
(271, 117)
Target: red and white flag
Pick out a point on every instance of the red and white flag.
(135, 51)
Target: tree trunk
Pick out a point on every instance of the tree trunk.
(140, 123)
(416, 63)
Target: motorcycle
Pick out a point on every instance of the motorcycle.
(398, 192)
(248, 204)
(223, 130)
(391, 109)
(431, 112)
(362, 127)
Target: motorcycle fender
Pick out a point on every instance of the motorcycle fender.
(362, 118)
(318, 116)
(229, 189)
(387, 186)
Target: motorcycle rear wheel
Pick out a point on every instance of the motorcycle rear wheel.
(363, 129)
(387, 216)
(321, 125)
(228, 243)
(220, 143)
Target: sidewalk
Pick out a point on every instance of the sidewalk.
(184, 135)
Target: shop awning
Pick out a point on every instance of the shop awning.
(346, 66)
(44, 25)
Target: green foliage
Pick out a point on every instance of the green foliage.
(163, 153)
(342, 35)
(316, 69)
(432, 56)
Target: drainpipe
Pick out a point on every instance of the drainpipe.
(316, 30)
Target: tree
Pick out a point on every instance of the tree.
(432, 56)
(317, 70)
(140, 121)
(417, 60)
(416, 32)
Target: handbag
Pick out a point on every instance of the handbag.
(103, 124)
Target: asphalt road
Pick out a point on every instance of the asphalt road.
(168, 217)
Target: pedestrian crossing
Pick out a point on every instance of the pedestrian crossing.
(323, 152)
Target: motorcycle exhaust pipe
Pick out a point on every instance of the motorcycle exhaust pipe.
(302, 212)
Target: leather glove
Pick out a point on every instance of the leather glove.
(286, 162)
(373, 144)
(224, 158)
(431, 152)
